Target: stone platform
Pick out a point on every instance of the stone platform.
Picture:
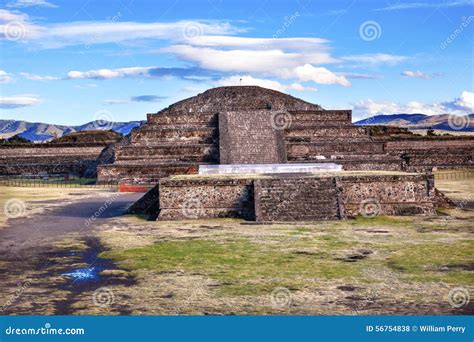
(268, 168)
(290, 197)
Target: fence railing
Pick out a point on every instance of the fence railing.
(55, 182)
(453, 175)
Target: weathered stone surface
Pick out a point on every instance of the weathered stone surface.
(47, 159)
(268, 168)
(297, 197)
(239, 98)
(248, 137)
(234, 125)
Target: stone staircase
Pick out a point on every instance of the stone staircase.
(167, 144)
(315, 135)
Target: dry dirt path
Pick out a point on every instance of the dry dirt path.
(38, 251)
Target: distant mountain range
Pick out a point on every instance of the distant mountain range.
(41, 132)
(444, 122)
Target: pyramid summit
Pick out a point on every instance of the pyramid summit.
(239, 98)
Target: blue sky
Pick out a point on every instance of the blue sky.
(70, 62)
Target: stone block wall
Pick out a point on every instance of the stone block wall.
(248, 137)
(430, 143)
(48, 159)
(296, 197)
(192, 199)
(387, 195)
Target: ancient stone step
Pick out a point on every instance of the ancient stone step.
(300, 133)
(166, 151)
(313, 149)
(150, 173)
(318, 139)
(182, 118)
(384, 161)
(158, 135)
(322, 115)
(141, 160)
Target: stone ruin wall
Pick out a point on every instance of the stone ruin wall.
(422, 154)
(47, 159)
(248, 136)
(296, 198)
(191, 199)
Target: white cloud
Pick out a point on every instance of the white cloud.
(298, 43)
(251, 60)
(205, 44)
(16, 26)
(18, 101)
(88, 33)
(32, 77)
(462, 105)
(419, 74)
(30, 3)
(273, 62)
(319, 75)
(5, 77)
(116, 101)
(434, 4)
(110, 73)
(464, 102)
(376, 58)
(271, 84)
